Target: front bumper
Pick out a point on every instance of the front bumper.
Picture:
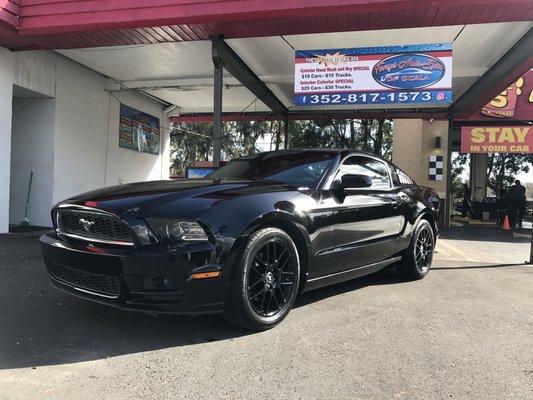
(156, 280)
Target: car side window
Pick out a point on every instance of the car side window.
(403, 178)
(361, 165)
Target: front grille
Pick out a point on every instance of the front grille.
(93, 225)
(97, 283)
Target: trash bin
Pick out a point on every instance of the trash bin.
(485, 215)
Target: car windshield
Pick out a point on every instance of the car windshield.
(304, 169)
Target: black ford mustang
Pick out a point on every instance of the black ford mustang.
(246, 240)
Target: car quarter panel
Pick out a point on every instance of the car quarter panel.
(417, 203)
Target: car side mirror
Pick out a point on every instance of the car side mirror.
(353, 181)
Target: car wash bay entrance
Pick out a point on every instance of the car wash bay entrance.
(215, 65)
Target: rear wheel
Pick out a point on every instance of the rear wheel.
(418, 257)
(264, 284)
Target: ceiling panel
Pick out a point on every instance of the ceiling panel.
(436, 34)
(188, 65)
(149, 61)
(235, 99)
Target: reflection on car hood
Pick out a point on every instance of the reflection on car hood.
(184, 196)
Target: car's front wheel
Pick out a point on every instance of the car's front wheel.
(264, 283)
(418, 257)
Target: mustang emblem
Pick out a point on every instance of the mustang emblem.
(86, 224)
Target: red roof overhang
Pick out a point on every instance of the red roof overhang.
(90, 23)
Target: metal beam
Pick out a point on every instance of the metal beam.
(218, 80)
(517, 60)
(196, 83)
(448, 198)
(238, 68)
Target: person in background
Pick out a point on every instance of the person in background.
(501, 205)
(516, 199)
(467, 194)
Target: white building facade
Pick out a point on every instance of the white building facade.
(58, 118)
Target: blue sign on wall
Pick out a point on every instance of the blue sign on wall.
(138, 131)
(374, 75)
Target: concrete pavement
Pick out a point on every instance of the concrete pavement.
(464, 332)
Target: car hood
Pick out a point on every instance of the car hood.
(173, 197)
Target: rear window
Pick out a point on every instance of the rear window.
(403, 178)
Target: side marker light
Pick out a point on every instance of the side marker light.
(206, 275)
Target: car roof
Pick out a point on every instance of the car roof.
(342, 152)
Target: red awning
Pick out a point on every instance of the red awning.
(91, 23)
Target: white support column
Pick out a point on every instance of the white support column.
(478, 176)
(6, 105)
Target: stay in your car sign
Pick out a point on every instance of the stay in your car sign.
(374, 75)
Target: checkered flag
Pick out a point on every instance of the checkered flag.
(435, 168)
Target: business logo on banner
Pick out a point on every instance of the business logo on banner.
(514, 102)
(374, 75)
(497, 139)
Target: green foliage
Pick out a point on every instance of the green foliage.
(189, 143)
(459, 164)
(502, 169)
(192, 142)
(374, 136)
(241, 137)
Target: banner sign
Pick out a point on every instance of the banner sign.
(514, 102)
(497, 139)
(374, 75)
(138, 131)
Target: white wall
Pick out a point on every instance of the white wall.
(6, 94)
(87, 153)
(80, 130)
(124, 165)
(36, 70)
(32, 147)
(84, 144)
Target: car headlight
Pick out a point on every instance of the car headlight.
(186, 231)
(183, 231)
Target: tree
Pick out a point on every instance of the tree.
(193, 142)
(241, 137)
(376, 136)
(189, 143)
(459, 164)
(502, 169)
(372, 135)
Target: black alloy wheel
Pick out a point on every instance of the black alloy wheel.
(264, 283)
(417, 259)
(424, 249)
(270, 280)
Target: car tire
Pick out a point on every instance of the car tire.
(264, 282)
(417, 259)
